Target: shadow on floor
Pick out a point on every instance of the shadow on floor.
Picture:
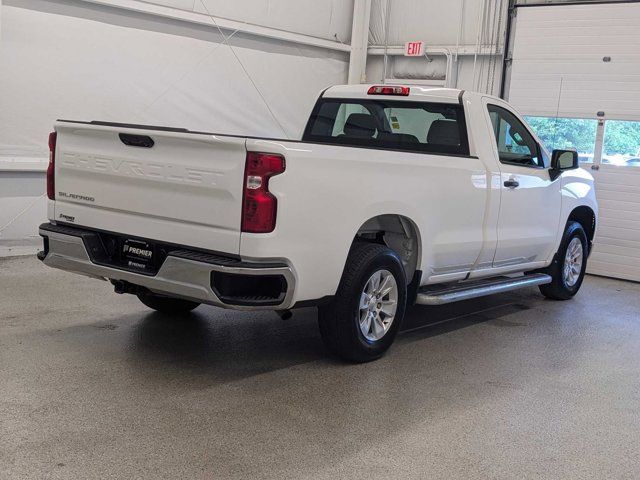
(223, 345)
(424, 322)
(227, 345)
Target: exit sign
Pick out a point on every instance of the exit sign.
(414, 49)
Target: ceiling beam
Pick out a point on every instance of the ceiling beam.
(359, 41)
(224, 23)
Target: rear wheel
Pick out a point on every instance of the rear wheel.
(166, 304)
(363, 319)
(569, 265)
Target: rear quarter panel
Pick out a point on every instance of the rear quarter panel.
(327, 192)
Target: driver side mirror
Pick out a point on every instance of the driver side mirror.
(563, 160)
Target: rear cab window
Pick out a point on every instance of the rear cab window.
(389, 124)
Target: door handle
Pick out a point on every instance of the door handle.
(511, 183)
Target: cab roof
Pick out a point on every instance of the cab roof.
(416, 93)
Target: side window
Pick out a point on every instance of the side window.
(515, 144)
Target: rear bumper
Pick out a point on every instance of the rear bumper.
(184, 273)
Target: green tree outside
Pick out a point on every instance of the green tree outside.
(565, 133)
(621, 137)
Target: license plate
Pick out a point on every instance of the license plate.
(138, 254)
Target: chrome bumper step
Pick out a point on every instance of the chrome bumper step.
(182, 274)
(438, 295)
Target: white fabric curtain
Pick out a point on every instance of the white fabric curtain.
(84, 62)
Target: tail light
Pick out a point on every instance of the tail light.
(388, 90)
(51, 174)
(259, 206)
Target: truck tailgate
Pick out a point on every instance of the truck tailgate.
(172, 186)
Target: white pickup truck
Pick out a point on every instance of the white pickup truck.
(394, 196)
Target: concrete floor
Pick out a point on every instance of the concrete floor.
(94, 385)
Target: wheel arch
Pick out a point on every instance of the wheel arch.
(399, 233)
(586, 217)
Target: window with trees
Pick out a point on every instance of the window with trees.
(566, 134)
(621, 144)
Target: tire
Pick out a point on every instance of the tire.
(564, 285)
(170, 305)
(340, 321)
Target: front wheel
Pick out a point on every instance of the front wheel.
(569, 265)
(363, 319)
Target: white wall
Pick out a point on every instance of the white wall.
(77, 60)
(455, 24)
(319, 18)
(322, 19)
(435, 22)
(558, 66)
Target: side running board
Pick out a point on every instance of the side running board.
(437, 295)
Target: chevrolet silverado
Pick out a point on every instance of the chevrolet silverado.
(394, 196)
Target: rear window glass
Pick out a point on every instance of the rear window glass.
(395, 125)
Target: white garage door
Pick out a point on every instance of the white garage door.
(576, 76)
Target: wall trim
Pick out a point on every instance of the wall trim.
(23, 164)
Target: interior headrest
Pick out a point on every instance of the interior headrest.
(399, 138)
(361, 125)
(444, 132)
